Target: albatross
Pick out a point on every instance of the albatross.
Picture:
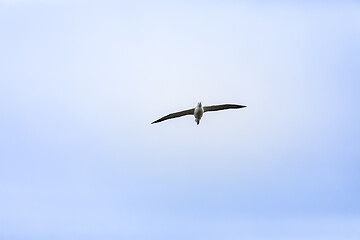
(198, 111)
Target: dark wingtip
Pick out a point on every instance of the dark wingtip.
(240, 106)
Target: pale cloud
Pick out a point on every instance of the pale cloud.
(38, 2)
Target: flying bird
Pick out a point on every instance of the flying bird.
(198, 111)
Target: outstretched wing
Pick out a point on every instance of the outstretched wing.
(222, 107)
(175, 115)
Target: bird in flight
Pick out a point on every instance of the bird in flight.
(198, 111)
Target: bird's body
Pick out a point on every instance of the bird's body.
(198, 111)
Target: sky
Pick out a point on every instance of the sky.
(81, 81)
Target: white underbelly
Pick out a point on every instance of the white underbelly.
(198, 112)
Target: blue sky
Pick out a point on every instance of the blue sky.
(81, 81)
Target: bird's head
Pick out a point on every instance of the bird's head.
(199, 104)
